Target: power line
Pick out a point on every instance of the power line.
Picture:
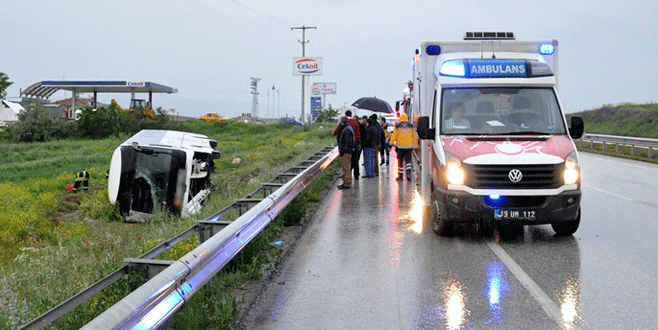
(260, 13)
(256, 21)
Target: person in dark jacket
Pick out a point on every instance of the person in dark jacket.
(346, 146)
(385, 147)
(354, 123)
(380, 139)
(369, 148)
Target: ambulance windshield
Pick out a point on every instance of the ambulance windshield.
(500, 111)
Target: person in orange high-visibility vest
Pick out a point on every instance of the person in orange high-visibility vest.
(404, 139)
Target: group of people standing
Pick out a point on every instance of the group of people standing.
(356, 135)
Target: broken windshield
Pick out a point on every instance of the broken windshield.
(499, 111)
(149, 178)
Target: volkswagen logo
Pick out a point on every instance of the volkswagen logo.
(515, 175)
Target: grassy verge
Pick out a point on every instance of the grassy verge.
(641, 154)
(59, 243)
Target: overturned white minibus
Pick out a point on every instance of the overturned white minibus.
(159, 169)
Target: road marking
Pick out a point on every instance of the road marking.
(548, 305)
(610, 193)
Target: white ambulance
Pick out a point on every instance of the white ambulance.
(161, 170)
(495, 145)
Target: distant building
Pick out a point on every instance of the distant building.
(56, 110)
(65, 106)
(9, 111)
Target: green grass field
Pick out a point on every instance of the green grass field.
(53, 244)
(638, 120)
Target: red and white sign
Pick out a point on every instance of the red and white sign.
(326, 88)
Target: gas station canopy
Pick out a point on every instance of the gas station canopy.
(44, 89)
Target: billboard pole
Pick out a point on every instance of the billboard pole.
(304, 77)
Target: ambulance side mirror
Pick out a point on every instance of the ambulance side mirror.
(423, 128)
(577, 127)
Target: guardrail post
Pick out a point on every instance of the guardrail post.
(591, 144)
(603, 146)
(151, 266)
(617, 148)
(209, 228)
(632, 150)
(650, 152)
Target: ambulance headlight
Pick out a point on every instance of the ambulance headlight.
(571, 169)
(454, 172)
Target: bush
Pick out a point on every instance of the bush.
(98, 123)
(64, 129)
(113, 120)
(327, 115)
(35, 124)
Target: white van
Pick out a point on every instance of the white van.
(496, 148)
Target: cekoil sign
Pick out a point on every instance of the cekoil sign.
(307, 66)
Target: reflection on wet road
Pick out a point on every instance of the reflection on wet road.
(369, 262)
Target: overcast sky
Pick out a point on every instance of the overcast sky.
(208, 50)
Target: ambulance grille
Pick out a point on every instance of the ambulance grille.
(497, 176)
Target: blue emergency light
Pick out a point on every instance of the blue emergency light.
(547, 49)
(433, 50)
(494, 200)
(454, 68)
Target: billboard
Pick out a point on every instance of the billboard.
(325, 88)
(316, 105)
(307, 66)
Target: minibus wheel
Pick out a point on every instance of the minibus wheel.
(440, 225)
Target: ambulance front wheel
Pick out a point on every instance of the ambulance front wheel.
(568, 227)
(440, 225)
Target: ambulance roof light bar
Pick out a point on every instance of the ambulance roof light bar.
(489, 35)
(494, 68)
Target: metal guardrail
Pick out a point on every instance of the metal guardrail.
(172, 282)
(633, 142)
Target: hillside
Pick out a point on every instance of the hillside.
(640, 120)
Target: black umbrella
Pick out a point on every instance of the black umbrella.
(373, 104)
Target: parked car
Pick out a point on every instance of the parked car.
(290, 121)
(213, 116)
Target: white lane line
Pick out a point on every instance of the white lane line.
(549, 306)
(610, 193)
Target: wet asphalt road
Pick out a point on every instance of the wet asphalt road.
(368, 262)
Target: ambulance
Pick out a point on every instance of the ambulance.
(161, 170)
(496, 148)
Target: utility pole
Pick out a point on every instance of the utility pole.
(254, 92)
(304, 77)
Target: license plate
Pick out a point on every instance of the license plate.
(514, 215)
